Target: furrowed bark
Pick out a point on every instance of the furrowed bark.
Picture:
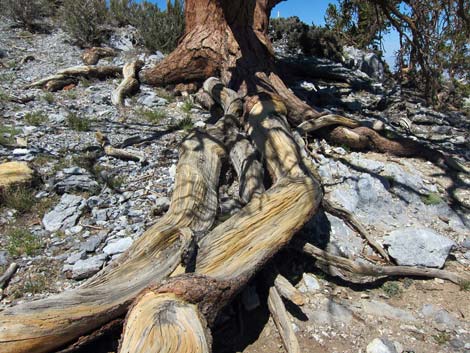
(46, 325)
(234, 251)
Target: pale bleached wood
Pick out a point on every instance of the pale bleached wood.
(46, 325)
(10, 271)
(171, 326)
(118, 152)
(92, 56)
(129, 84)
(233, 252)
(325, 121)
(341, 263)
(71, 74)
(227, 98)
(287, 290)
(281, 320)
(14, 173)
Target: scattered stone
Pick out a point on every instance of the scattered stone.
(76, 256)
(382, 309)
(466, 243)
(91, 244)
(117, 246)
(309, 283)
(65, 214)
(381, 346)
(3, 258)
(75, 179)
(162, 204)
(418, 247)
(150, 99)
(86, 268)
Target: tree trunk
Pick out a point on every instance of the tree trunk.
(229, 39)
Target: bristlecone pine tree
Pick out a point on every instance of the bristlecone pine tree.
(167, 292)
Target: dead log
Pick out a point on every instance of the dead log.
(71, 75)
(118, 152)
(287, 290)
(91, 56)
(48, 324)
(281, 320)
(5, 278)
(129, 85)
(235, 250)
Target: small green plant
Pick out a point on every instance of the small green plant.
(153, 116)
(21, 241)
(3, 96)
(33, 283)
(115, 183)
(78, 123)
(432, 199)
(465, 286)
(19, 198)
(48, 97)
(35, 118)
(186, 124)
(442, 338)
(7, 135)
(391, 289)
(85, 82)
(163, 93)
(187, 106)
(27, 13)
(71, 94)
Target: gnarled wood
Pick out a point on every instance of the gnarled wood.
(117, 152)
(71, 75)
(287, 290)
(48, 324)
(129, 85)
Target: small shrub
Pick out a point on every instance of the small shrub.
(465, 286)
(27, 13)
(85, 21)
(21, 241)
(7, 135)
(162, 93)
(48, 97)
(78, 123)
(4, 97)
(186, 124)
(35, 118)
(153, 116)
(19, 198)
(432, 199)
(392, 289)
(442, 338)
(33, 283)
(160, 30)
(187, 106)
(122, 11)
(115, 183)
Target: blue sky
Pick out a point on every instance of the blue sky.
(313, 11)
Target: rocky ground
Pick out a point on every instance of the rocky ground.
(81, 216)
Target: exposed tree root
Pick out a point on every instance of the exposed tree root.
(71, 75)
(362, 138)
(349, 218)
(310, 126)
(331, 264)
(129, 85)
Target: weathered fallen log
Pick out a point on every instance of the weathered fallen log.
(235, 250)
(129, 85)
(46, 325)
(117, 152)
(71, 75)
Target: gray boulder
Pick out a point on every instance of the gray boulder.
(75, 179)
(381, 346)
(368, 63)
(418, 247)
(86, 268)
(117, 246)
(65, 214)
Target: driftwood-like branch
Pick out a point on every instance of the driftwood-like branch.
(5, 278)
(91, 56)
(353, 267)
(349, 218)
(281, 320)
(71, 75)
(129, 85)
(46, 325)
(227, 98)
(287, 290)
(117, 152)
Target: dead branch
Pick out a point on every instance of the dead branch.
(91, 56)
(118, 152)
(5, 278)
(129, 85)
